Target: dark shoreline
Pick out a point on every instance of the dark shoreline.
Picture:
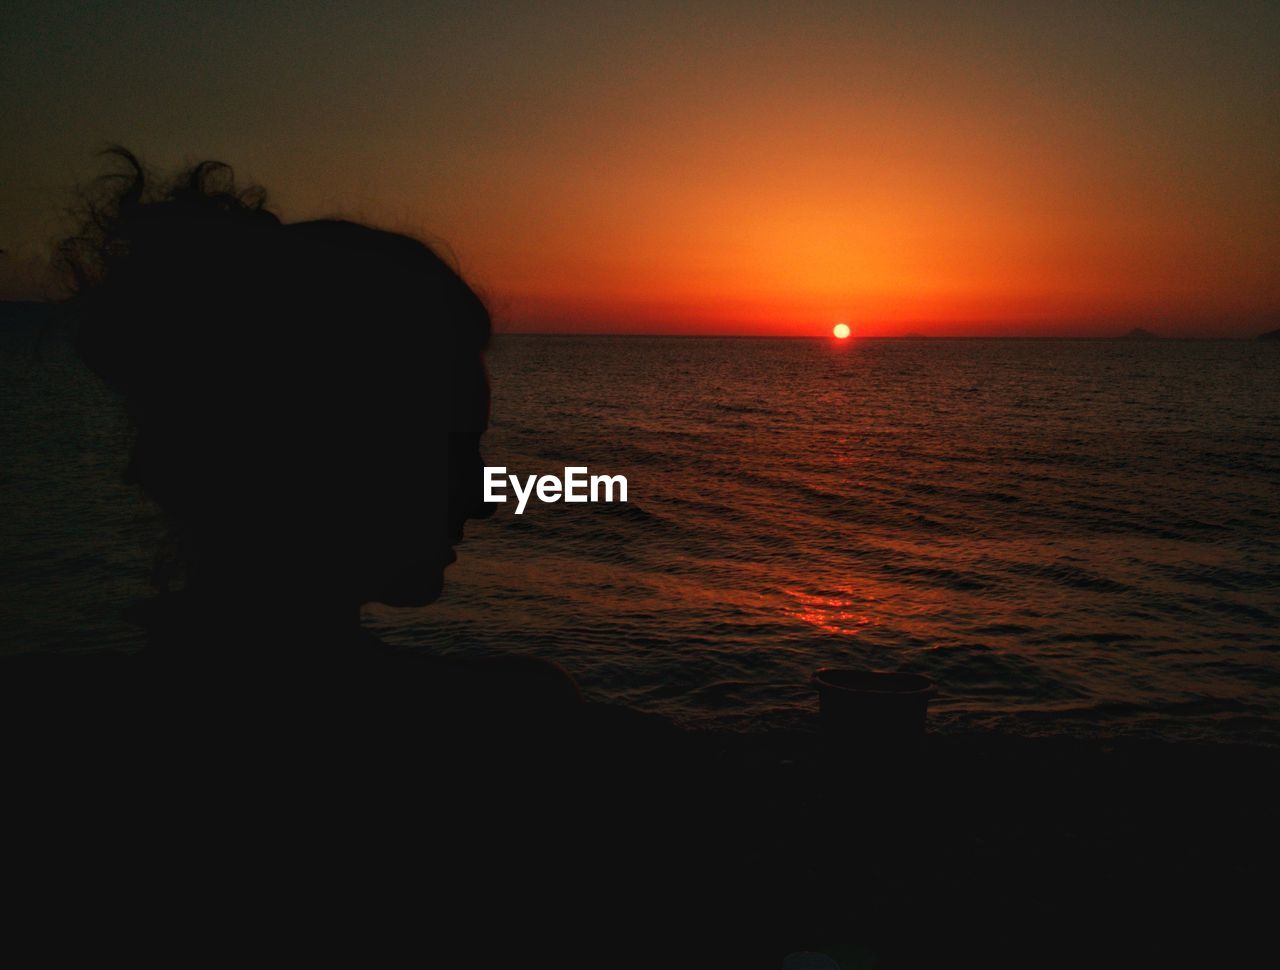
(987, 848)
(978, 839)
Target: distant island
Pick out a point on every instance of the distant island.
(1269, 335)
(1137, 333)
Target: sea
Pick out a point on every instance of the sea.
(1071, 537)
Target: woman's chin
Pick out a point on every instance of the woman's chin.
(418, 586)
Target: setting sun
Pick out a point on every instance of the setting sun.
(841, 331)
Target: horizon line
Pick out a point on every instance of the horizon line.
(1153, 338)
(1137, 334)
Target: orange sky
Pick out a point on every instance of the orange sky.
(1021, 168)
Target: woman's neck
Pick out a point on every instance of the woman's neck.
(281, 622)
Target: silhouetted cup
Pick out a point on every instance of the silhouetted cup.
(873, 711)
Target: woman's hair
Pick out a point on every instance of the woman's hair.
(268, 368)
(142, 241)
(148, 248)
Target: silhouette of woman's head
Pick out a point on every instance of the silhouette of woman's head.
(307, 398)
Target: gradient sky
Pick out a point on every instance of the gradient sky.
(1021, 168)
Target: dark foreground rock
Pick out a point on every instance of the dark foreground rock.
(338, 791)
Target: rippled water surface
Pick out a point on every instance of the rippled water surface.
(1071, 536)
